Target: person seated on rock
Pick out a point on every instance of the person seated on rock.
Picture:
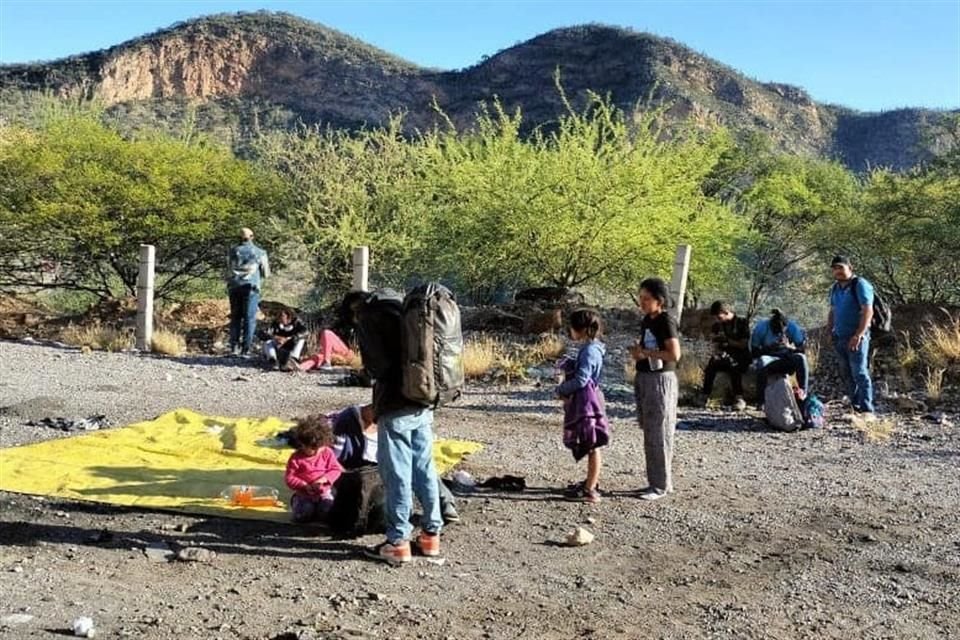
(284, 340)
(731, 343)
(778, 344)
(355, 445)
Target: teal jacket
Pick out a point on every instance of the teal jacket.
(247, 264)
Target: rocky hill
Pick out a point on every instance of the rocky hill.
(268, 69)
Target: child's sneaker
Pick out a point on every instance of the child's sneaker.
(428, 544)
(581, 494)
(393, 554)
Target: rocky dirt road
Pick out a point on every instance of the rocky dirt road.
(817, 534)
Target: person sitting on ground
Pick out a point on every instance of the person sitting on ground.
(355, 445)
(312, 469)
(778, 343)
(731, 342)
(284, 341)
(332, 348)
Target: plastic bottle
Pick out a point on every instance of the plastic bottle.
(242, 495)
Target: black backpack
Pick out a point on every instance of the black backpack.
(882, 321)
(358, 503)
(432, 346)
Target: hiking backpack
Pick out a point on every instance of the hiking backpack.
(358, 502)
(432, 346)
(780, 405)
(882, 321)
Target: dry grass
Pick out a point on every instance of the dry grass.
(629, 369)
(169, 343)
(941, 344)
(812, 351)
(96, 336)
(690, 373)
(354, 361)
(481, 355)
(933, 382)
(907, 356)
(875, 429)
(547, 348)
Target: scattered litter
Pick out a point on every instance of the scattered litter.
(83, 627)
(92, 423)
(214, 429)
(464, 479)
(437, 561)
(158, 552)
(16, 618)
(579, 537)
(196, 554)
(505, 483)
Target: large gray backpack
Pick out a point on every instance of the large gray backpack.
(432, 346)
(780, 405)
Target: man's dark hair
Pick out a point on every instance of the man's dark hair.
(720, 306)
(778, 321)
(587, 320)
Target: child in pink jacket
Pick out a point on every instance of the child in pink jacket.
(312, 469)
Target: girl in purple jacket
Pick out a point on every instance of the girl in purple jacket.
(585, 427)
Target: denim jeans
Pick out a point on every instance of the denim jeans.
(405, 459)
(244, 301)
(854, 369)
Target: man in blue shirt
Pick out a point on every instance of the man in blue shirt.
(247, 266)
(778, 343)
(851, 310)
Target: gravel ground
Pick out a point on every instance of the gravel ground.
(817, 534)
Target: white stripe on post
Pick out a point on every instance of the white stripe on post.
(361, 268)
(145, 298)
(678, 284)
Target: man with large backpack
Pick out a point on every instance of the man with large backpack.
(850, 319)
(386, 329)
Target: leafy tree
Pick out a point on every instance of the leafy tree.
(787, 207)
(77, 200)
(597, 200)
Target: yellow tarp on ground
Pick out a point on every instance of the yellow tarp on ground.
(180, 461)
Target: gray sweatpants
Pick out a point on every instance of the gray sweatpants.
(656, 395)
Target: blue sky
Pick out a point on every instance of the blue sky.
(868, 55)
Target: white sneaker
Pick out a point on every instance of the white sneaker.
(654, 494)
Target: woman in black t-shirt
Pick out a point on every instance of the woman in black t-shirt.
(656, 352)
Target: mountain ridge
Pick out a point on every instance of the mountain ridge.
(303, 70)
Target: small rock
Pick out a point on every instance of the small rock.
(85, 349)
(17, 569)
(579, 537)
(15, 619)
(61, 514)
(158, 552)
(591, 520)
(196, 554)
(168, 377)
(241, 378)
(83, 627)
(376, 597)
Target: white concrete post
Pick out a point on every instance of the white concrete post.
(361, 268)
(145, 298)
(678, 284)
